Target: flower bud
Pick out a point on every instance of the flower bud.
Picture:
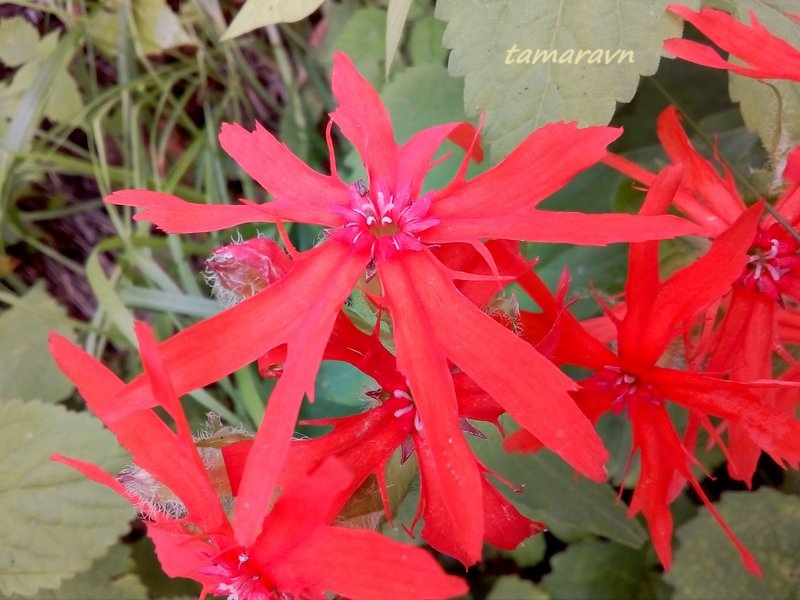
(242, 269)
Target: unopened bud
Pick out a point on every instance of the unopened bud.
(242, 269)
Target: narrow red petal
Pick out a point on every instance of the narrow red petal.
(173, 215)
(364, 121)
(414, 157)
(542, 164)
(143, 434)
(301, 194)
(355, 563)
(770, 56)
(211, 349)
(502, 364)
(693, 288)
(424, 363)
(560, 227)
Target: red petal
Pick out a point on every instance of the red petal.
(424, 363)
(711, 191)
(144, 434)
(542, 164)
(770, 56)
(174, 215)
(587, 229)
(414, 157)
(693, 288)
(364, 121)
(355, 563)
(301, 194)
(215, 347)
(506, 528)
(498, 361)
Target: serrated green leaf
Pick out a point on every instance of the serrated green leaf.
(595, 54)
(27, 370)
(593, 569)
(108, 577)
(53, 521)
(18, 41)
(773, 109)
(511, 587)
(260, 13)
(397, 14)
(570, 506)
(708, 566)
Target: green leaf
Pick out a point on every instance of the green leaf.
(425, 44)
(363, 39)
(511, 587)
(590, 57)
(594, 569)
(771, 109)
(159, 28)
(395, 21)
(707, 565)
(18, 41)
(108, 577)
(570, 506)
(53, 521)
(27, 370)
(159, 585)
(260, 13)
(529, 553)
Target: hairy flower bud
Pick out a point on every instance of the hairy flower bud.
(242, 269)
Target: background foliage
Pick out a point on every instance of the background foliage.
(98, 96)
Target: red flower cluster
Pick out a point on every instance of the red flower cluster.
(267, 516)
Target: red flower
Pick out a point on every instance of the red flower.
(633, 379)
(388, 228)
(768, 288)
(365, 442)
(767, 56)
(297, 552)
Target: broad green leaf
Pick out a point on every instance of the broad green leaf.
(260, 13)
(707, 565)
(18, 41)
(570, 506)
(592, 569)
(27, 371)
(109, 577)
(395, 22)
(425, 45)
(772, 109)
(53, 521)
(528, 553)
(530, 63)
(157, 27)
(338, 391)
(511, 587)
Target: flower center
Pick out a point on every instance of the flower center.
(774, 264)
(627, 386)
(384, 220)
